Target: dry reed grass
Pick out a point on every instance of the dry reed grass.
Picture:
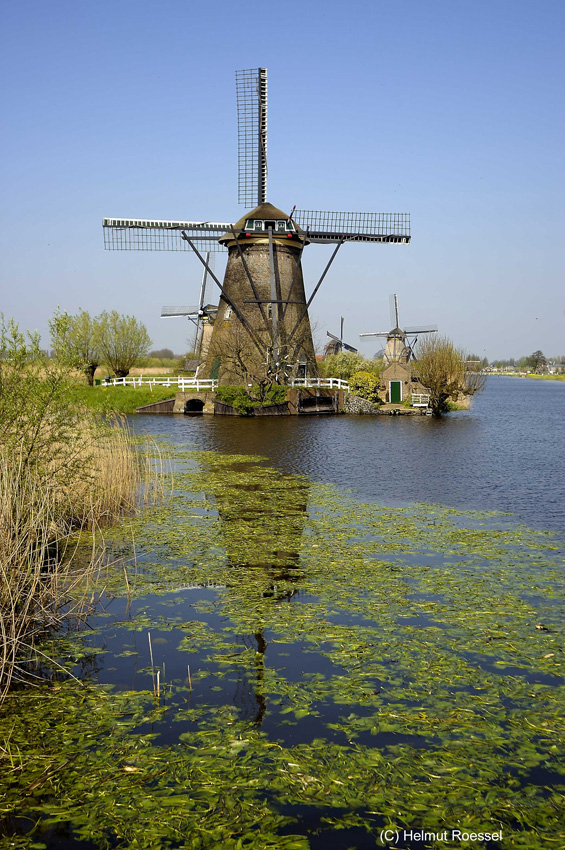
(44, 577)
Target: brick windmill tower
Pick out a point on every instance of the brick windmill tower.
(261, 330)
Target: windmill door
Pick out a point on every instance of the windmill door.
(395, 392)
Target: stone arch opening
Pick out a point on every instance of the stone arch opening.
(194, 406)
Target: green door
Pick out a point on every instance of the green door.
(395, 392)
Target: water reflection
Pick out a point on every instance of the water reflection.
(262, 517)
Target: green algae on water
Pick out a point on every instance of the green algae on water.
(367, 665)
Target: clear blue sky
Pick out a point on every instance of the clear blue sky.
(448, 109)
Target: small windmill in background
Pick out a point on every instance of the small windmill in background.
(336, 344)
(200, 315)
(400, 343)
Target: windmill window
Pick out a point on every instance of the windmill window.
(228, 313)
(281, 225)
(269, 311)
(269, 225)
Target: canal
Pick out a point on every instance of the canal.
(335, 632)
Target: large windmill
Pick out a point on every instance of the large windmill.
(400, 343)
(262, 329)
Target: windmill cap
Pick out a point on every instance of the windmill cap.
(263, 212)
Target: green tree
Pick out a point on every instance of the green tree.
(345, 364)
(76, 341)
(536, 361)
(123, 340)
(446, 373)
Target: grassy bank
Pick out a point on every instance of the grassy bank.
(547, 377)
(119, 399)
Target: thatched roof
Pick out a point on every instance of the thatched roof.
(263, 211)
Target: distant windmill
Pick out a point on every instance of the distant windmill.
(337, 344)
(200, 314)
(262, 295)
(400, 343)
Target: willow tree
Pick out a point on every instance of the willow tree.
(123, 340)
(76, 341)
(446, 373)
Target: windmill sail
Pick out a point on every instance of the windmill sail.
(393, 304)
(140, 234)
(251, 91)
(422, 329)
(178, 311)
(325, 226)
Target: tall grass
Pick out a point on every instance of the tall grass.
(62, 469)
(45, 578)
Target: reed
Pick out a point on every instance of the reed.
(45, 578)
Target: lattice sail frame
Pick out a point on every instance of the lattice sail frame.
(130, 234)
(325, 226)
(251, 93)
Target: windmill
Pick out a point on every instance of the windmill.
(262, 320)
(200, 315)
(337, 344)
(400, 343)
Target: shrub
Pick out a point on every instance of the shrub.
(274, 394)
(237, 397)
(365, 385)
(258, 396)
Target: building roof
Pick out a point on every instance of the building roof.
(263, 212)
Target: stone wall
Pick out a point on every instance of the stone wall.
(356, 405)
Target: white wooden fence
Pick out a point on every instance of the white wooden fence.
(420, 400)
(332, 383)
(179, 381)
(208, 384)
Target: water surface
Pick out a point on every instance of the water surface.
(335, 626)
(507, 453)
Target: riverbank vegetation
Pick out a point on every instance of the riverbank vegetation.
(61, 470)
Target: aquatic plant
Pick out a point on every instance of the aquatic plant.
(353, 667)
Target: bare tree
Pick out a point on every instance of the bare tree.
(446, 373)
(244, 359)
